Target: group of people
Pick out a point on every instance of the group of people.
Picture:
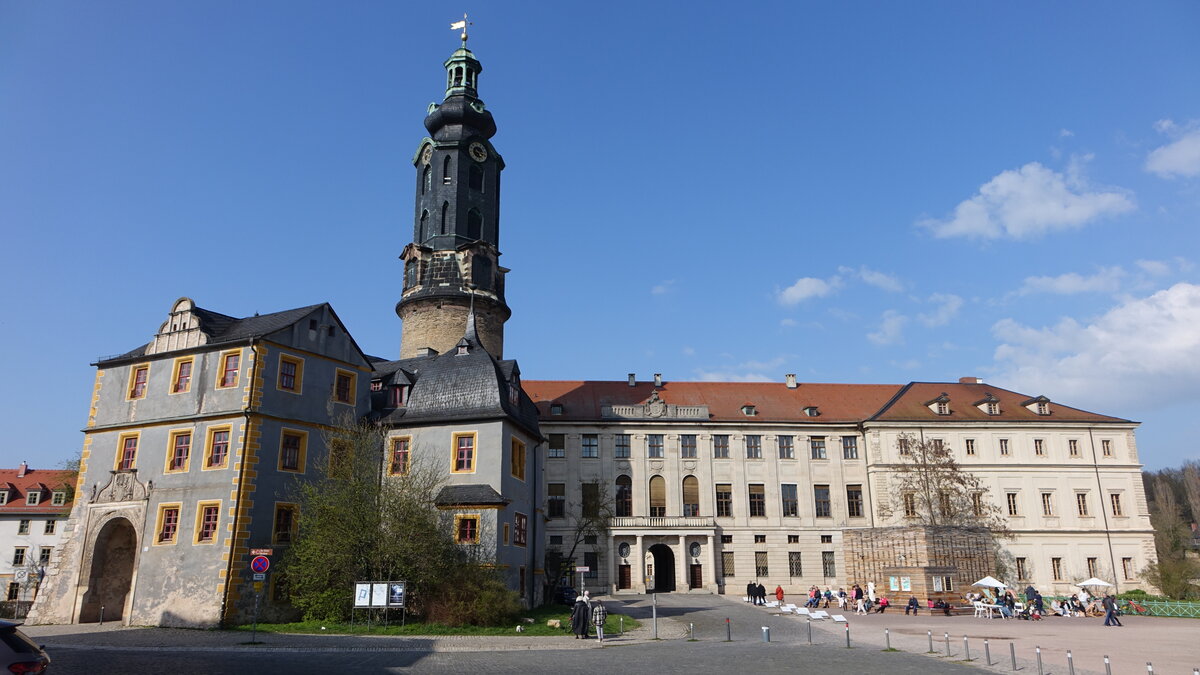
(1078, 605)
(583, 614)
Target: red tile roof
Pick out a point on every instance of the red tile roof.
(775, 402)
(46, 480)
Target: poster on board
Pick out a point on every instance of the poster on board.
(379, 594)
(396, 594)
(894, 583)
(906, 584)
(362, 595)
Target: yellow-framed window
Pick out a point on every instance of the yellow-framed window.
(401, 455)
(517, 458)
(466, 528)
(463, 445)
(293, 448)
(230, 367)
(181, 374)
(291, 374)
(344, 386)
(139, 380)
(208, 522)
(217, 447)
(127, 450)
(179, 451)
(166, 525)
(283, 527)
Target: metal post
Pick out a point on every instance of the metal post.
(987, 651)
(622, 625)
(654, 610)
(887, 636)
(930, 633)
(101, 615)
(966, 649)
(1070, 663)
(766, 633)
(1039, 657)
(691, 631)
(728, 631)
(947, 644)
(254, 631)
(847, 635)
(1107, 665)
(810, 631)
(1012, 651)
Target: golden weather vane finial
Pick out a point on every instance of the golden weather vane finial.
(462, 25)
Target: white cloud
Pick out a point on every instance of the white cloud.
(748, 371)
(1181, 157)
(948, 305)
(808, 287)
(1139, 354)
(880, 280)
(1065, 133)
(1156, 268)
(663, 288)
(787, 322)
(1106, 280)
(1029, 202)
(688, 351)
(890, 330)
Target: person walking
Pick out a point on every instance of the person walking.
(599, 616)
(1110, 611)
(751, 593)
(580, 619)
(779, 594)
(762, 594)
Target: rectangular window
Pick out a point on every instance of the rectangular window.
(138, 377)
(654, 445)
(687, 446)
(854, 501)
(828, 566)
(230, 363)
(556, 499)
(1127, 568)
(19, 556)
(591, 446)
(33, 497)
(758, 500)
(760, 564)
(555, 540)
(4, 496)
(208, 517)
(591, 500)
(23, 526)
(591, 561)
(466, 529)
(398, 396)
(291, 450)
(1081, 503)
(724, 500)
(1092, 567)
(181, 379)
(1056, 570)
(343, 386)
(51, 527)
(977, 504)
(1115, 499)
(180, 449)
(57, 499)
(787, 449)
(44, 555)
(1106, 448)
(793, 539)
(218, 447)
(520, 529)
(910, 505)
(1022, 569)
(291, 374)
(622, 446)
(1073, 447)
(285, 524)
(817, 445)
(1011, 499)
(168, 524)
(795, 567)
(821, 501)
(727, 564)
(517, 459)
(557, 446)
(464, 452)
(849, 447)
(753, 447)
(401, 455)
(827, 539)
(721, 446)
(903, 444)
(1039, 447)
(14, 590)
(1047, 503)
(1004, 446)
(127, 459)
(760, 538)
(970, 446)
(790, 502)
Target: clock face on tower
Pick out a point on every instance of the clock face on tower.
(478, 152)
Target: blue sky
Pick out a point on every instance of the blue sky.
(853, 192)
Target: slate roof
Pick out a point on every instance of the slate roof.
(775, 402)
(45, 480)
(469, 495)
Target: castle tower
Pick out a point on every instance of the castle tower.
(455, 253)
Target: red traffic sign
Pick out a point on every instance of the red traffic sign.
(260, 563)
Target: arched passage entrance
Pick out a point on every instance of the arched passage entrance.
(111, 572)
(664, 568)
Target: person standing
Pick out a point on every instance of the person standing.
(580, 619)
(751, 593)
(779, 594)
(599, 616)
(762, 594)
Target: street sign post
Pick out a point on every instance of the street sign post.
(259, 564)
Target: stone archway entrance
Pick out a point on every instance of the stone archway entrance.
(664, 568)
(111, 572)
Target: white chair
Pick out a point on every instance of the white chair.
(773, 603)
(803, 611)
(838, 618)
(790, 606)
(785, 609)
(819, 615)
(982, 610)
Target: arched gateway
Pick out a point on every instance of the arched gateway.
(110, 574)
(664, 568)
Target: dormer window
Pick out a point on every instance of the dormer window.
(812, 411)
(556, 409)
(989, 404)
(4, 496)
(993, 408)
(940, 405)
(514, 395)
(59, 498)
(943, 408)
(1043, 408)
(749, 410)
(33, 498)
(1038, 406)
(399, 397)
(462, 349)
(376, 385)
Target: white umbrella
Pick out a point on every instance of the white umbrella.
(1093, 582)
(990, 582)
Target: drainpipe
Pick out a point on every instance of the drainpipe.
(531, 546)
(248, 413)
(1104, 512)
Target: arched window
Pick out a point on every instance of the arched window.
(474, 224)
(427, 179)
(691, 496)
(624, 500)
(475, 178)
(446, 170)
(410, 273)
(658, 496)
(423, 231)
(445, 225)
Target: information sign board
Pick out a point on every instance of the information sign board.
(362, 595)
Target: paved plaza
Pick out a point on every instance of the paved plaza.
(1171, 644)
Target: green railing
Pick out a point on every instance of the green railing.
(1164, 608)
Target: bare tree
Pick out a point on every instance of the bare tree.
(928, 487)
(589, 522)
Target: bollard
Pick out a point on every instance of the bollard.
(930, 633)
(622, 625)
(766, 633)
(691, 631)
(810, 631)
(654, 614)
(1070, 663)
(728, 631)
(966, 649)
(987, 651)
(1012, 651)
(887, 637)
(947, 644)
(848, 636)
(101, 615)
(1150, 668)
(1107, 665)
(1039, 655)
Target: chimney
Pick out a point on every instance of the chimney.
(658, 379)
(970, 380)
(633, 379)
(791, 380)
(427, 351)
(22, 470)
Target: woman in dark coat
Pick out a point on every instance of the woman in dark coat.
(580, 618)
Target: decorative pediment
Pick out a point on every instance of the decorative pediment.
(655, 408)
(123, 486)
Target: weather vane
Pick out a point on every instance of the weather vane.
(462, 25)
